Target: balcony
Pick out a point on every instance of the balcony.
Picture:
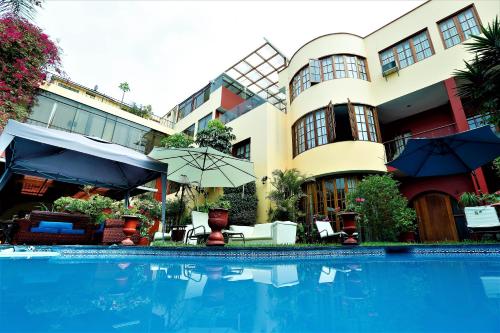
(396, 146)
(242, 108)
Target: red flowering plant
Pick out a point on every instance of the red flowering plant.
(26, 55)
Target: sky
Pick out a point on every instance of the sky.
(167, 50)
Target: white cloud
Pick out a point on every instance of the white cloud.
(166, 50)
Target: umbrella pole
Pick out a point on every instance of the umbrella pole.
(127, 199)
(163, 202)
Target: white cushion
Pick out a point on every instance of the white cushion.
(481, 217)
(200, 219)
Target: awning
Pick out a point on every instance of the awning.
(73, 158)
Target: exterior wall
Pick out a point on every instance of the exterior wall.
(208, 107)
(111, 109)
(453, 185)
(267, 147)
(342, 157)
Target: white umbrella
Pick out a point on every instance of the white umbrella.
(204, 166)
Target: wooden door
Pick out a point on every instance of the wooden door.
(436, 221)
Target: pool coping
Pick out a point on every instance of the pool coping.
(269, 251)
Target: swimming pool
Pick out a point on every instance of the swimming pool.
(370, 291)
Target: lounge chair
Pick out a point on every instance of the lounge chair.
(200, 230)
(326, 232)
(482, 220)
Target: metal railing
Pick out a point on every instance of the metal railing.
(396, 146)
(162, 121)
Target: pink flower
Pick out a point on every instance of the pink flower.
(360, 199)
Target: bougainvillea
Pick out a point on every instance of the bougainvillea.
(26, 55)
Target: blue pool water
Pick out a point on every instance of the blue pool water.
(397, 293)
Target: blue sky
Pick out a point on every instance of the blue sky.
(166, 50)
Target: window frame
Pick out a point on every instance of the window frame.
(408, 39)
(302, 124)
(458, 26)
(246, 144)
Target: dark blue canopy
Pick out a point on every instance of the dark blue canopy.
(73, 158)
(449, 155)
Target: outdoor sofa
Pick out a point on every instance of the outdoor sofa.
(47, 228)
(276, 233)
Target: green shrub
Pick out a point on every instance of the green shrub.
(243, 209)
(286, 195)
(383, 210)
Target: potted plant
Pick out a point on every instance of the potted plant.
(405, 224)
(144, 240)
(470, 199)
(218, 213)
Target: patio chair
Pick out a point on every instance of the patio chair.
(482, 220)
(200, 230)
(326, 232)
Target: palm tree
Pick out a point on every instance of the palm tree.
(20, 8)
(286, 195)
(479, 82)
(125, 88)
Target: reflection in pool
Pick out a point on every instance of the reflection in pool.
(150, 294)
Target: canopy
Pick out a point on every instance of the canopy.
(448, 155)
(73, 158)
(205, 166)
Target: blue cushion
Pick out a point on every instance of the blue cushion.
(45, 230)
(57, 225)
(72, 231)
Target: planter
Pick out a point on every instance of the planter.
(129, 228)
(349, 223)
(107, 211)
(178, 235)
(217, 220)
(143, 241)
(407, 237)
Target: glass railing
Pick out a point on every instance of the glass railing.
(242, 108)
(396, 146)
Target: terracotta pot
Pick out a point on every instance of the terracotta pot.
(349, 223)
(107, 211)
(154, 228)
(407, 237)
(143, 241)
(217, 220)
(129, 228)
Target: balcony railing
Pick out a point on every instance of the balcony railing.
(396, 146)
(162, 121)
(242, 108)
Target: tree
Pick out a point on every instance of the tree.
(26, 55)
(20, 8)
(141, 110)
(286, 195)
(125, 88)
(217, 136)
(177, 140)
(383, 209)
(480, 81)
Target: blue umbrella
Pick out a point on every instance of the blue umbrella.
(448, 155)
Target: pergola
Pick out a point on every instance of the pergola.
(73, 158)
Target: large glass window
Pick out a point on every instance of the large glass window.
(328, 68)
(312, 130)
(366, 123)
(409, 51)
(63, 117)
(459, 27)
(194, 102)
(42, 109)
(203, 122)
(189, 131)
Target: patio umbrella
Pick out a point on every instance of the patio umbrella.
(448, 155)
(204, 166)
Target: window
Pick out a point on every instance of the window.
(203, 122)
(352, 67)
(314, 71)
(480, 120)
(327, 66)
(314, 129)
(366, 123)
(193, 102)
(339, 67)
(400, 142)
(189, 131)
(242, 149)
(409, 51)
(404, 54)
(363, 75)
(459, 27)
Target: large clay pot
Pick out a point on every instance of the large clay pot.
(143, 241)
(349, 223)
(129, 228)
(217, 220)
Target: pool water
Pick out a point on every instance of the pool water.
(396, 293)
